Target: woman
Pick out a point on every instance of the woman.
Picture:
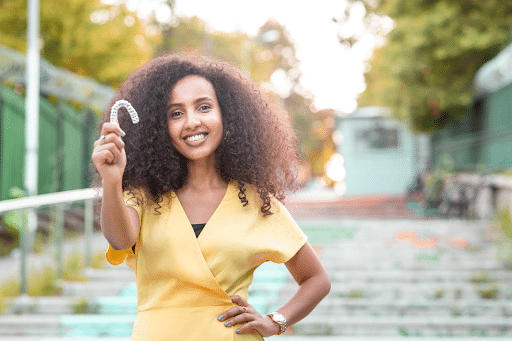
(210, 156)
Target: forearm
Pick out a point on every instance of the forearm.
(116, 225)
(310, 292)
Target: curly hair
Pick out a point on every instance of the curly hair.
(259, 146)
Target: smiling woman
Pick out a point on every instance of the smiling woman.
(192, 201)
(195, 122)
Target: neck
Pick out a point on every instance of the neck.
(203, 174)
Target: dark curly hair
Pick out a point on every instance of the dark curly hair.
(259, 147)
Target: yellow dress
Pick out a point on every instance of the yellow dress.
(184, 283)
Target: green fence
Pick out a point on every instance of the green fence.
(482, 138)
(65, 144)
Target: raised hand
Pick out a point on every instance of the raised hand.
(108, 154)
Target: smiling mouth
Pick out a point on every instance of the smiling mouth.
(195, 137)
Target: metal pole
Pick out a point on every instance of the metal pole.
(31, 130)
(32, 99)
(32, 108)
(59, 236)
(23, 245)
(88, 230)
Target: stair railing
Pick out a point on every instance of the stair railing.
(59, 199)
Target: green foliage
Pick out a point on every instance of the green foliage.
(490, 292)
(434, 182)
(9, 288)
(88, 38)
(356, 293)
(425, 71)
(98, 260)
(505, 223)
(74, 269)
(43, 283)
(82, 306)
(14, 221)
(480, 276)
(439, 293)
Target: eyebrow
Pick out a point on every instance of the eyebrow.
(201, 99)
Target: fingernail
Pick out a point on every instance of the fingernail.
(237, 331)
(123, 134)
(220, 317)
(227, 323)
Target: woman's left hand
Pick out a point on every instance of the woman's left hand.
(248, 319)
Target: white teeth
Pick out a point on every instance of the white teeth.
(195, 137)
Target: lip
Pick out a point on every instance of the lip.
(195, 141)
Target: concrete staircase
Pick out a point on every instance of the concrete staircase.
(420, 279)
(412, 278)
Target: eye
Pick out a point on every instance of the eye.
(205, 107)
(175, 114)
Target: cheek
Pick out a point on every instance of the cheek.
(173, 133)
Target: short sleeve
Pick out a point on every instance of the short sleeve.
(117, 257)
(286, 237)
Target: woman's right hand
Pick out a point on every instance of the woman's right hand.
(108, 154)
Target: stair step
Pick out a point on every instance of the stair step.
(94, 288)
(405, 326)
(29, 325)
(96, 325)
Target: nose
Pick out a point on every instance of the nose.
(193, 120)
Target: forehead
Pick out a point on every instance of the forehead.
(192, 87)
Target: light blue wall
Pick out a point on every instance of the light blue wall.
(377, 171)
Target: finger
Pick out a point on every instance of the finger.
(247, 327)
(240, 319)
(115, 139)
(112, 127)
(239, 300)
(105, 156)
(231, 312)
(111, 148)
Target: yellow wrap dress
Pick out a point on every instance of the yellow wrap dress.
(184, 283)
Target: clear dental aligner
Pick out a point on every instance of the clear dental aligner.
(128, 106)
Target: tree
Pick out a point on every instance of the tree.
(425, 71)
(89, 38)
(270, 51)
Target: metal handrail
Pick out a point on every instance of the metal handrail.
(28, 205)
(50, 199)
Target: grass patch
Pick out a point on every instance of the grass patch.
(489, 293)
(356, 293)
(98, 260)
(83, 306)
(43, 283)
(74, 269)
(480, 276)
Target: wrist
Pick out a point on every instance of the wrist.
(111, 184)
(279, 320)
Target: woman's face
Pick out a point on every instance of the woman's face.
(194, 118)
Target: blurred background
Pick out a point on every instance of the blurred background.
(402, 109)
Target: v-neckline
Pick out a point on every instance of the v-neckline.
(224, 197)
(195, 245)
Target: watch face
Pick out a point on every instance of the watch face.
(278, 318)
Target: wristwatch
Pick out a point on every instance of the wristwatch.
(280, 320)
